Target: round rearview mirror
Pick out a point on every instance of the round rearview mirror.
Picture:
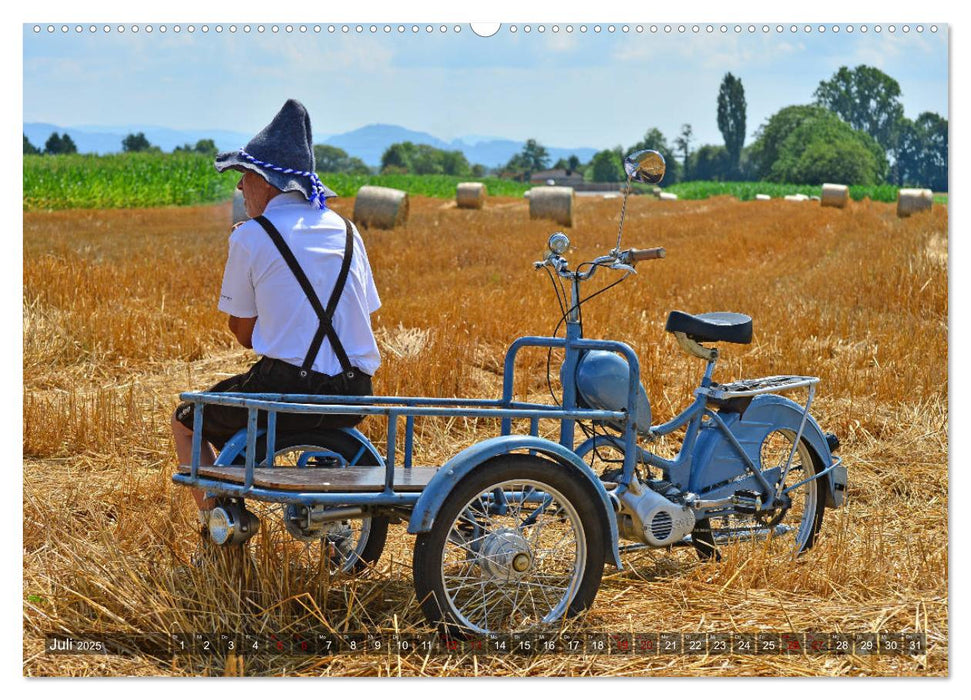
(645, 166)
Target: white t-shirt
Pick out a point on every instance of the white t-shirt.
(257, 282)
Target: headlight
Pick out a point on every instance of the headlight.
(232, 524)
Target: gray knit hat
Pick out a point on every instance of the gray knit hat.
(283, 154)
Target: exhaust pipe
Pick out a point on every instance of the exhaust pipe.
(330, 515)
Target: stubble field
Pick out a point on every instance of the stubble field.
(119, 315)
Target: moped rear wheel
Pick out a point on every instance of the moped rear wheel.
(343, 546)
(800, 518)
(518, 544)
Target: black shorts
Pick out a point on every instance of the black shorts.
(270, 376)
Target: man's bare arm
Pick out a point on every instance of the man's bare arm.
(242, 328)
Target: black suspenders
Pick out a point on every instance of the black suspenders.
(324, 316)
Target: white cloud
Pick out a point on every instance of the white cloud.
(320, 56)
(562, 42)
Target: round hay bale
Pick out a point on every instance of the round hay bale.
(239, 208)
(911, 201)
(835, 195)
(668, 196)
(554, 203)
(762, 197)
(796, 198)
(380, 207)
(470, 195)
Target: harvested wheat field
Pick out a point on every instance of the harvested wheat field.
(119, 315)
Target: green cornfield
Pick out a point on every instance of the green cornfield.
(173, 179)
(428, 185)
(747, 190)
(178, 179)
(122, 180)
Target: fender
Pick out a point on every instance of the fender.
(716, 461)
(236, 445)
(431, 499)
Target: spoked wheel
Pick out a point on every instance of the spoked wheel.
(799, 518)
(519, 543)
(290, 532)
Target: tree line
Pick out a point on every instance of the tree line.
(63, 144)
(853, 132)
(56, 144)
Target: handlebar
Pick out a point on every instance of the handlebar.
(636, 255)
(617, 259)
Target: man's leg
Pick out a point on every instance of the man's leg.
(183, 449)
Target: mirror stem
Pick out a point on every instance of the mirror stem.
(623, 211)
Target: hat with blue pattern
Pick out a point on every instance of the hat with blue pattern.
(283, 154)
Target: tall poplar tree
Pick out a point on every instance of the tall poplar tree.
(731, 119)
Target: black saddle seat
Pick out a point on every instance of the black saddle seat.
(712, 327)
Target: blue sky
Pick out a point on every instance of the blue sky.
(565, 89)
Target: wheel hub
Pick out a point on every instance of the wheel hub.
(505, 554)
(296, 521)
(772, 515)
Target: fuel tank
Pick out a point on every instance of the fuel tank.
(602, 380)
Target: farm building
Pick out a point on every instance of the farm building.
(560, 177)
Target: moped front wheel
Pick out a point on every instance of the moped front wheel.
(518, 544)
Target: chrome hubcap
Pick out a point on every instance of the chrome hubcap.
(516, 565)
(504, 555)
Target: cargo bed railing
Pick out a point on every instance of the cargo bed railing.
(392, 407)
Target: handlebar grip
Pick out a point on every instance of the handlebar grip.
(637, 255)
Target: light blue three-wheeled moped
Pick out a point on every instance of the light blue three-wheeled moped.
(514, 531)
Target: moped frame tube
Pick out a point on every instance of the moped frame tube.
(573, 333)
(680, 466)
(679, 469)
(824, 472)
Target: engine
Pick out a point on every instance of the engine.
(650, 517)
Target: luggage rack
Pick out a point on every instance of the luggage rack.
(737, 395)
(753, 387)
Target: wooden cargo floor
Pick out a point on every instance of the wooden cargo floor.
(346, 480)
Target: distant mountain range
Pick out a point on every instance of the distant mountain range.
(367, 143)
(107, 139)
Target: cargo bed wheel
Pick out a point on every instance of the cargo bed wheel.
(350, 545)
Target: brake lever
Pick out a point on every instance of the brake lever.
(557, 262)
